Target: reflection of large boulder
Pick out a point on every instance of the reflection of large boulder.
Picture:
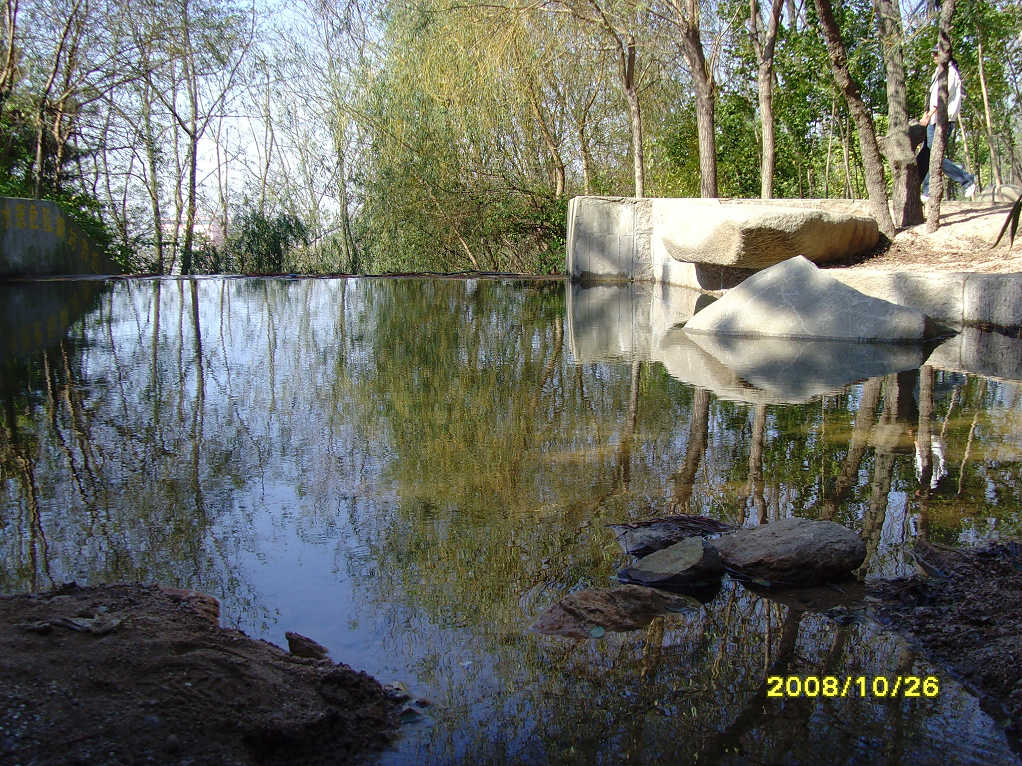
(588, 613)
(792, 551)
(796, 370)
(641, 538)
(756, 236)
(794, 299)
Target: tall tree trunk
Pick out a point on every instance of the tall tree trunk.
(8, 67)
(908, 208)
(940, 133)
(994, 162)
(765, 74)
(872, 162)
(192, 130)
(686, 13)
(627, 57)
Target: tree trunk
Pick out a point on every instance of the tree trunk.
(908, 208)
(548, 139)
(940, 133)
(687, 19)
(191, 85)
(627, 57)
(871, 159)
(994, 163)
(8, 69)
(765, 75)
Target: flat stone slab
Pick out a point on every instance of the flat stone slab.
(752, 236)
(795, 299)
(793, 551)
(641, 538)
(707, 244)
(691, 562)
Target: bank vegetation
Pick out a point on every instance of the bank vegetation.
(364, 137)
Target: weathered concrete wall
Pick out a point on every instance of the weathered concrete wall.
(706, 244)
(37, 238)
(956, 298)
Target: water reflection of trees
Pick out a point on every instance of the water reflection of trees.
(439, 437)
(106, 437)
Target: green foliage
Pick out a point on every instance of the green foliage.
(261, 244)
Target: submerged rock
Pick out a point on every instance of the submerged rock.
(792, 551)
(590, 613)
(690, 563)
(640, 538)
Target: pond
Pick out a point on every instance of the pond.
(412, 471)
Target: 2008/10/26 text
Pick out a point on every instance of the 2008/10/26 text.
(855, 686)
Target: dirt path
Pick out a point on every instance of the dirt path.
(962, 243)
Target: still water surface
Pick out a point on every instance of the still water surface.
(410, 472)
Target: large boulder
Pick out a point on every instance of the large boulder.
(752, 236)
(795, 299)
(792, 551)
(590, 613)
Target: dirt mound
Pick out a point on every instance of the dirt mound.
(964, 612)
(134, 674)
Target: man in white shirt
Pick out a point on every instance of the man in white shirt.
(954, 106)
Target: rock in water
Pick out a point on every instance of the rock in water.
(303, 646)
(792, 551)
(588, 613)
(692, 562)
(794, 299)
(640, 538)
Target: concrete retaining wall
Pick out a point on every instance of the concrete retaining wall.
(38, 238)
(622, 239)
(627, 238)
(956, 298)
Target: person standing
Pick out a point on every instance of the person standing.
(954, 107)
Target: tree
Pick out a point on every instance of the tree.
(940, 134)
(686, 17)
(871, 159)
(897, 145)
(763, 43)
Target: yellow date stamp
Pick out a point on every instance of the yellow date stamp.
(853, 686)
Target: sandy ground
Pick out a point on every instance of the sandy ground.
(962, 243)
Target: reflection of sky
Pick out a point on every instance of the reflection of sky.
(297, 484)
